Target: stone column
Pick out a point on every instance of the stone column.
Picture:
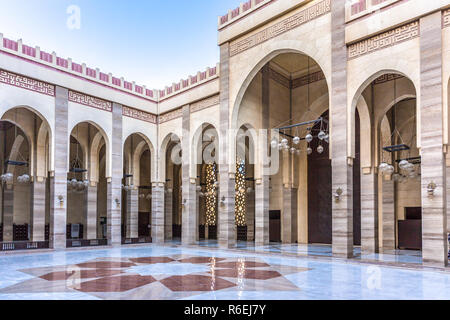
(369, 212)
(197, 214)
(434, 211)
(8, 212)
(286, 236)
(226, 213)
(58, 183)
(91, 221)
(38, 210)
(250, 216)
(132, 214)
(389, 219)
(115, 181)
(189, 199)
(294, 223)
(168, 222)
(262, 211)
(342, 175)
(158, 212)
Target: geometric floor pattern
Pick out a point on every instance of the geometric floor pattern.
(167, 277)
(169, 272)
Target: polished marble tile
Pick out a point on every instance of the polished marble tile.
(205, 272)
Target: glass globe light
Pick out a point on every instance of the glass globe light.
(293, 150)
(322, 135)
(280, 146)
(74, 183)
(199, 188)
(274, 143)
(309, 137)
(284, 141)
(309, 151)
(409, 167)
(327, 138)
(296, 140)
(297, 152)
(402, 164)
(390, 169)
(149, 196)
(320, 149)
(383, 167)
(286, 147)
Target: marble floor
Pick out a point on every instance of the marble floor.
(205, 272)
(310, 250)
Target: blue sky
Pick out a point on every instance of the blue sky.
(152, 42)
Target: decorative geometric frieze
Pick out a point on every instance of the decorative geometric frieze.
(287, 24)
(308, 79)
(279, 78)
(387, 77)
(178, 113)
(295, 83)
(138, 114)
(90, 101)
(446, 18)
(205, 103)
(19, 81)
(386, 39)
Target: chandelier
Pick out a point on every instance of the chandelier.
(291, 143)
(408, 168)
(19, 161)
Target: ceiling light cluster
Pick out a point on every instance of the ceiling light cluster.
(75, 185)
(293, 148)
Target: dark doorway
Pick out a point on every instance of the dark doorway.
(275, 226)
(357, 184)
(319, 192)
(144, 224)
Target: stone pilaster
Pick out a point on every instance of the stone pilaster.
(342, 175)
(91, 221)
(58, 185)
(8, 212)
(115, 181)
(168, 221)
(189, 215)
(226, 213)
(369, 213)
(38, 210)
(389, 219)
(158, 212)
(286, 235)
(262, 211)
(434, 211)
(132, 214)
(197, 214)
(250, 216)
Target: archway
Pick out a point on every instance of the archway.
(87, 186)
(25, 160)
(173, 208)
(391, 164)
(287, 95)
(136, 189)
(205, 160)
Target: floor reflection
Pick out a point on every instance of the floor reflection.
(175, 272)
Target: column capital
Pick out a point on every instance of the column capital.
(156, 184)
